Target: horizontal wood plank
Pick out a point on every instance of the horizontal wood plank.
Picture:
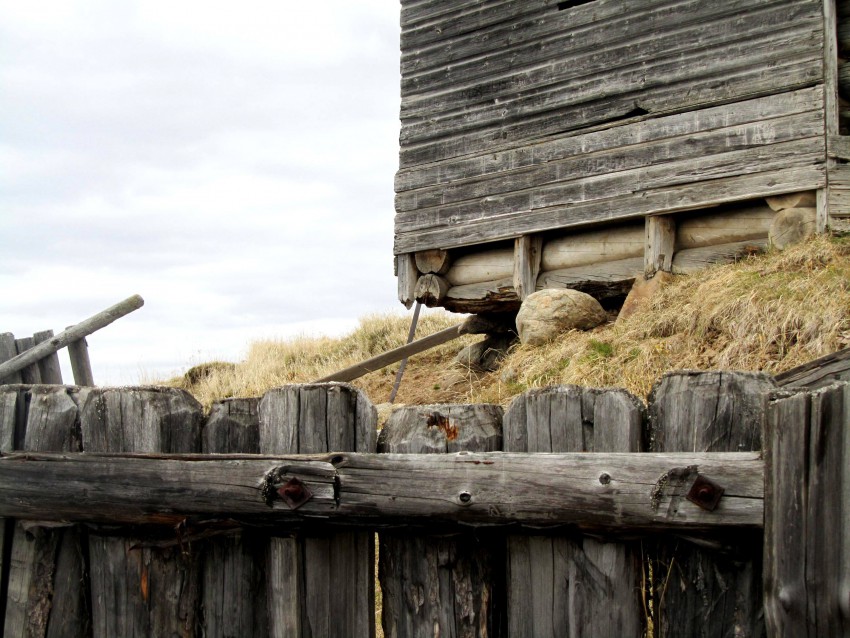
(748, 160)
(590, 491)
(637, 204)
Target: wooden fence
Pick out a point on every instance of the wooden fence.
(172, 524)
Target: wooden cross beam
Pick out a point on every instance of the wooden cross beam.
(590, 491)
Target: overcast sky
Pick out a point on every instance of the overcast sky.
(232, 163)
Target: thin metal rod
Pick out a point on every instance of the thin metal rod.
(410, 335)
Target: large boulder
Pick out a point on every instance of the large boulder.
(546, 314)
(642, 291)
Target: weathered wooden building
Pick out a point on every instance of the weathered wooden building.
(580, 143)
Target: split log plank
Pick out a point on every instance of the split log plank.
(233, 582)
(49, 367)
(140, 589)
(407, 278)
(692, 260)
(46, 571)
(319, 585)
(701, 592)
(558, 489)
(8, 351)
(30, 374)
(528, 252)
(806, 536)
(818, 373)
(566, 585)
(459, 575)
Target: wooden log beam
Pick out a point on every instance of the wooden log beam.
(433, 261)
(590, 491)
(396, 354)
(405, 270)
(75, 333)
(431, 290)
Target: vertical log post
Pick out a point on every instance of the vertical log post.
(660, 244)
(30, 374)
(807, 514)
(45, 595)
(140, 588)
(559, 586)
(8, 351)
(78, 353)
(697, 591)
(49, 367)
(408, 275)
(528, 252)
(233, 583)
(320, 586)
(441, 585)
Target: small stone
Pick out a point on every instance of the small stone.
(642, 291)
(548, 313)
(486, 355)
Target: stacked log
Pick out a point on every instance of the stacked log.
(796, 218)
(602, 262)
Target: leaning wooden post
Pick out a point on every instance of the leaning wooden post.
(807, 513)
(72, 334)
(233, 581)
(320, 586)
(140, 588)
(442, 585)
(51, 372)
(573, 586)
(697, 591)
(45, 571)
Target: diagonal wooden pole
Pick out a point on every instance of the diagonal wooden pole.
(403, 365)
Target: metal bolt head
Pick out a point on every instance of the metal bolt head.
(294, 493)
(705, 493)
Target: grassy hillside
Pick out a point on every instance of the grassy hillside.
(770, 312)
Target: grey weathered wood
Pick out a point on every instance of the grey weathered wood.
(802, 199)
(489, 296)
(31, 374)
(558, 489)
(691, 260)
(233, 582)
(528, 252)
(49, 367)
(746, 37)
(80, 330)
(441, 585)
(700, 592)
(807, 536)
(660, 243)
(617, 139)
(325, 585)
(433, 261)
(78, 353)
(818, 373)
(488, 264)
(396, 354)
(139, 589)
(431, 290)
(407, 278)
(773, 179)
(562, 585)
(46, 596)
(8, 351)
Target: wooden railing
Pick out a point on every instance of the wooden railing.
(722, 504)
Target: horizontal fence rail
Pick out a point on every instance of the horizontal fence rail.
(589, 491)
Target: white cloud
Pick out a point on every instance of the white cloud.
(232, 165)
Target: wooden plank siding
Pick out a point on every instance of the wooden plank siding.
(519, 118)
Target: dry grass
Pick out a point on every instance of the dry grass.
(768, 313)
